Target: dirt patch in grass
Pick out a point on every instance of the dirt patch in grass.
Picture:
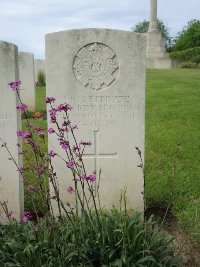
(169, 224)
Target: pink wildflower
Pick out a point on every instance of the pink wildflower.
(51, 130)
(90, 178)
(21, 170)
(74, 127)
(20, 133)
(22, 107)
(31, 187)
(10, 214)
(70, 164)
(41, 132)
(26, 216)
(70, 190)
(50, 100)
(52, 154)
(14, 85)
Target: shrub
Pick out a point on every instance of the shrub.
(41, 78)
(189, 65)
(191, 54)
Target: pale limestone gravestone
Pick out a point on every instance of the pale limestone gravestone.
(26, 75)
(39, 66)
(157, 58)
(101, 72)
(11, 186)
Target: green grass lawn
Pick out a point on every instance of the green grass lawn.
(172, 159)
(173, 121)
(40, 98)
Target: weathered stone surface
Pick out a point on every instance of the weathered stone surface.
(26, 75)
(11, 186)
(101, 73)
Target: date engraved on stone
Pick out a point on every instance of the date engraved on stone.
(96, 66)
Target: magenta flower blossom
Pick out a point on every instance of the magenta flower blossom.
(27, 135)
(41, 132)
(70, 190)
(20, 133)
(90, 178)
(65, 145)
(26, 216)
(50, 100)
(31, 187)
(14, 85)
(22, 170)
(51, 130)
(53, 112)
(64, 107)
(70, 164)
(52, 154)
(10, 214)
(22, 107)
(75, 148)
(74, 127)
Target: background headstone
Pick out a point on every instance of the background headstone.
(26, 75)
(11, 186)
(39, 66)
(101, 73)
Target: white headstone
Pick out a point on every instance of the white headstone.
(11, 186)
(26, 74)
(101, 72)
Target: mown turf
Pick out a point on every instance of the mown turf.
(173, 144)
(40, 98)
(172, 159)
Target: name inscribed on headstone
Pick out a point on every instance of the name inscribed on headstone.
(102, 110)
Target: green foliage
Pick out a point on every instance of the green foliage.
(189, 37)
(191, 54)
(189, 65)
(143, 27)
(127, 241)
(41, 78)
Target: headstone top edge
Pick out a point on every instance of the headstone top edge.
(8, 43)
(91, 29)
(25, 53)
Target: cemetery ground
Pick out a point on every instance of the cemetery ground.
(172, 161)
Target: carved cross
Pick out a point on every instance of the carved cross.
(97, 155)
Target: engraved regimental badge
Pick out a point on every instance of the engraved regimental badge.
(96, 66)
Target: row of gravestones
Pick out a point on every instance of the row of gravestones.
(102, 74)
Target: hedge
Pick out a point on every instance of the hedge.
(191, 54)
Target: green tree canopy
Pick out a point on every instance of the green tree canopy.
(189, 37)
(143, 27)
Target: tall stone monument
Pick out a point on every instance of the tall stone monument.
(26, 75)
(157, 58)
(11, 185)
(101, 72)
